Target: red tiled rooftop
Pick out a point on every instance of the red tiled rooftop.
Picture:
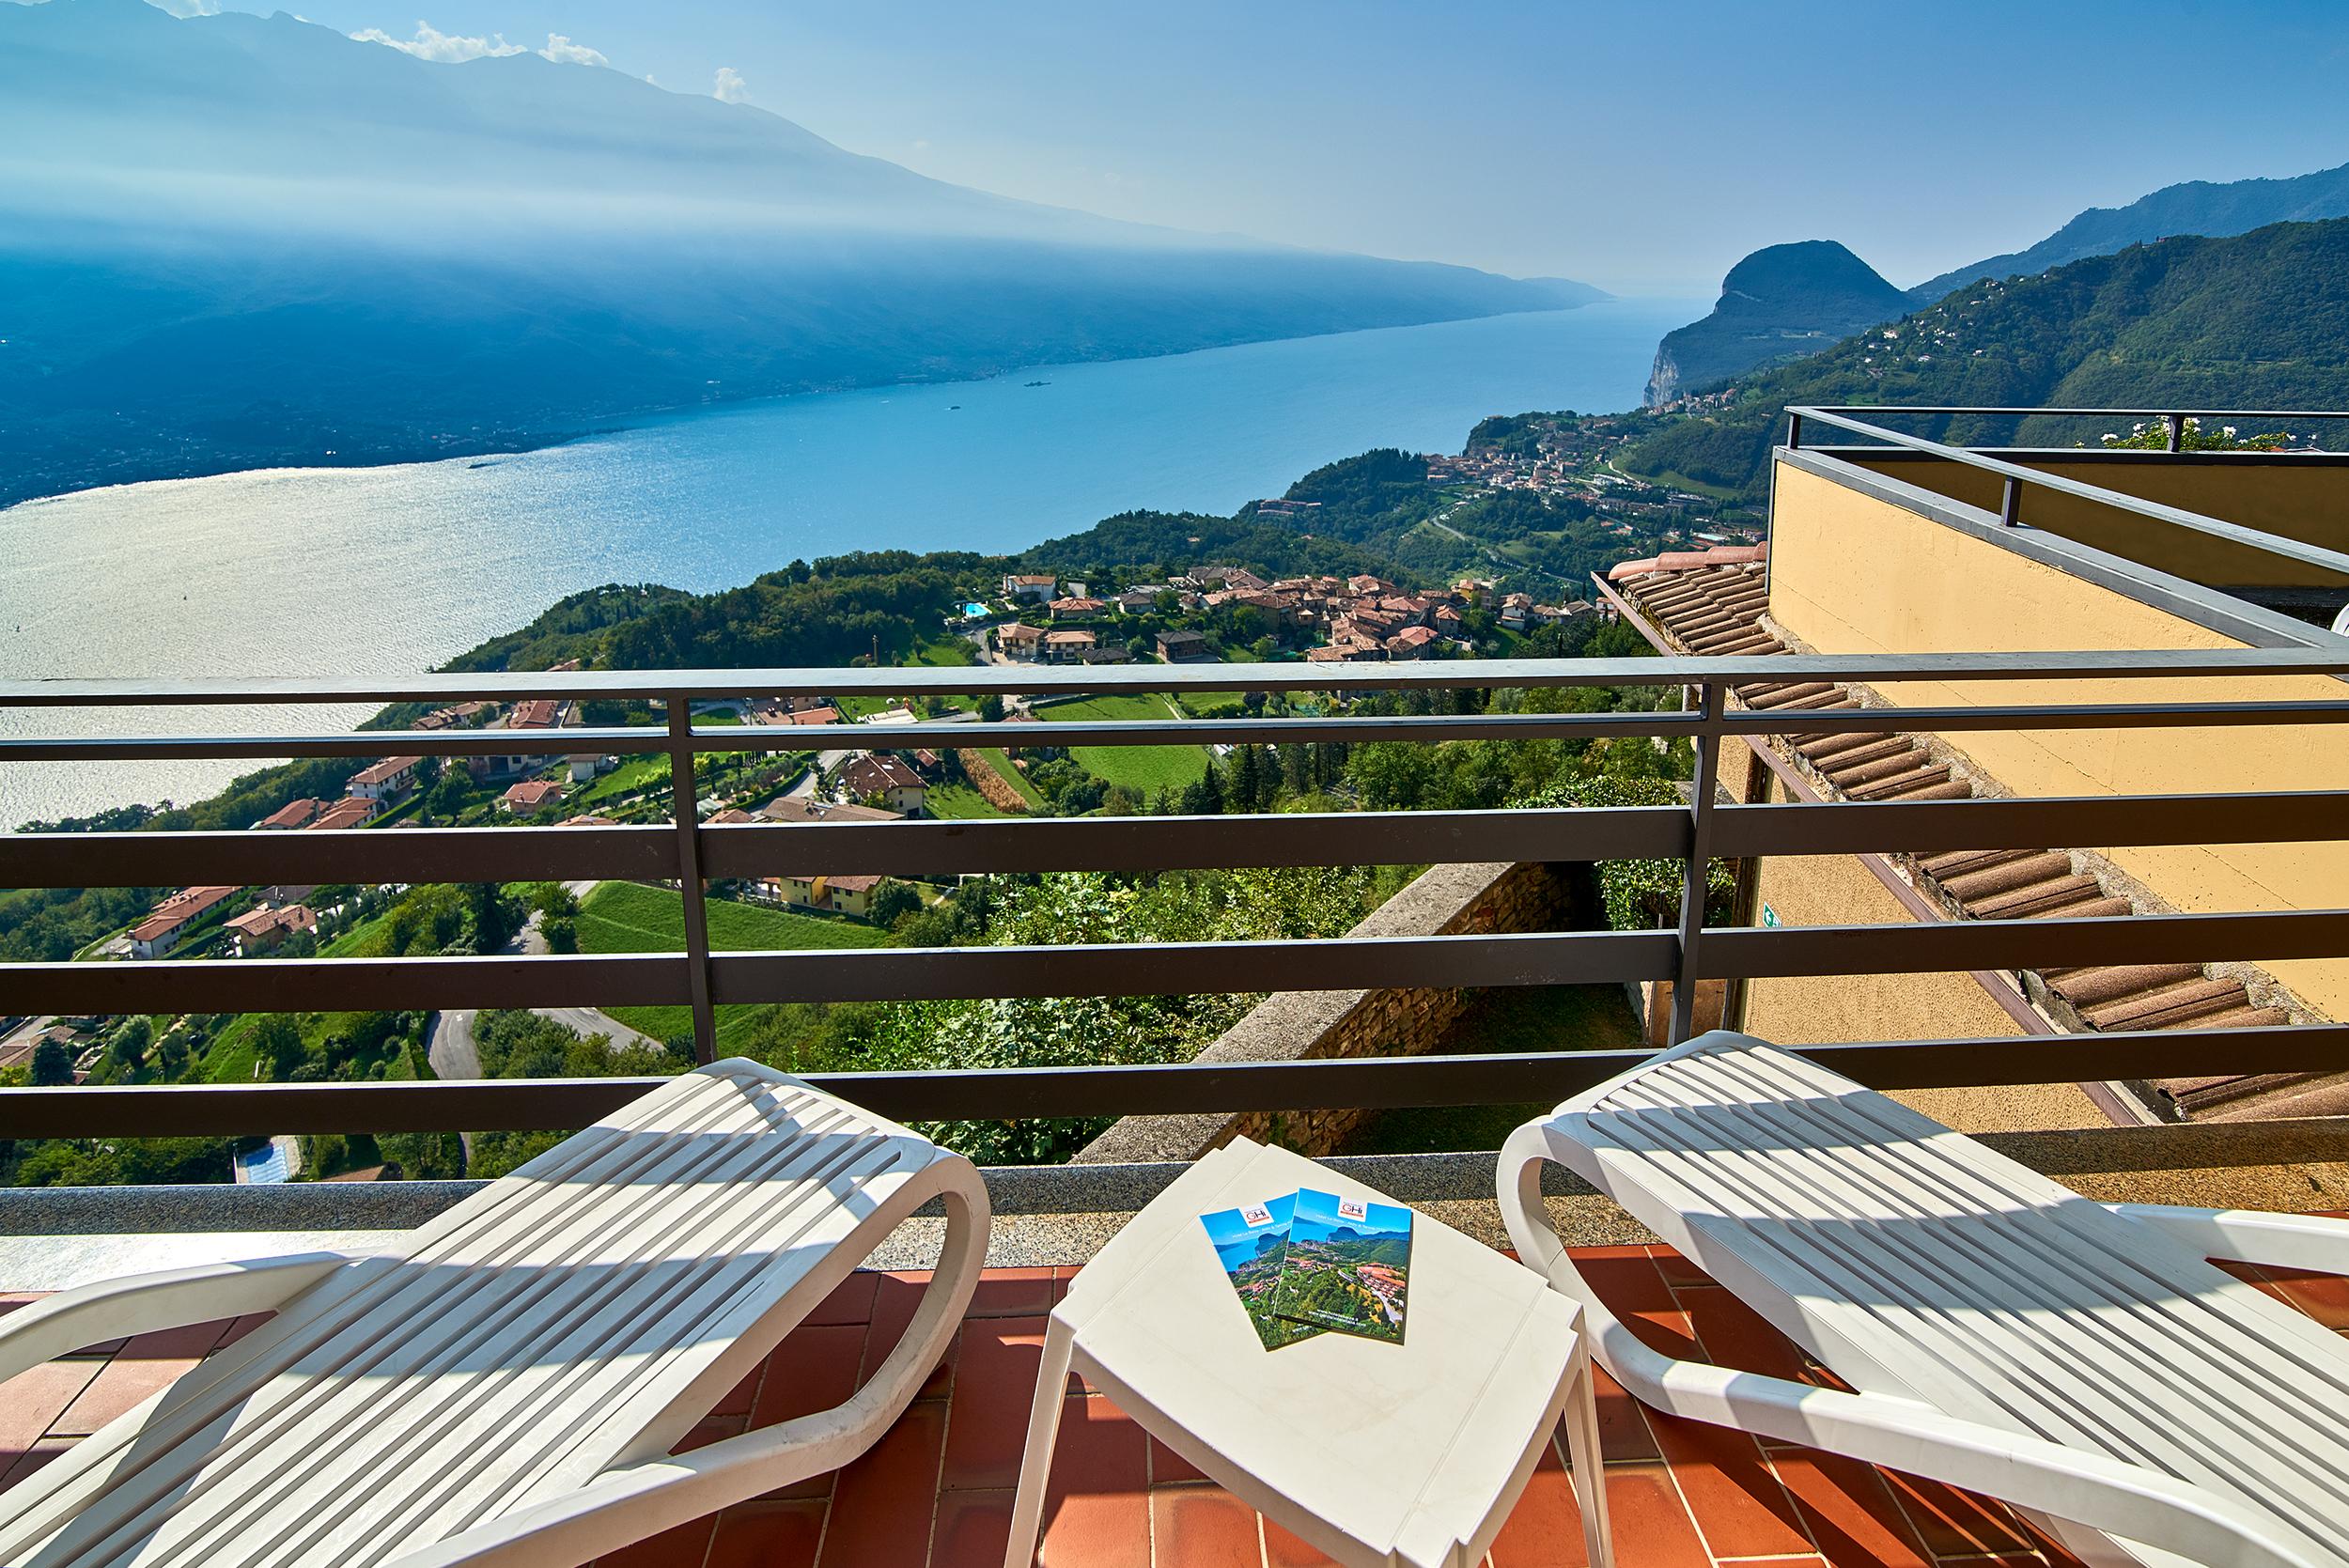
(936, 1491)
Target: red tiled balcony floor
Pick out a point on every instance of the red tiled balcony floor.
(936, 1492)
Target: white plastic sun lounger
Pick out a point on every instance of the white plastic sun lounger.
(506, 1387)
(2003, 1334)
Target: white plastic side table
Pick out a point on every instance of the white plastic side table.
(1408, 1455)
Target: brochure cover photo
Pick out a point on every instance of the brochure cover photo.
(1347, 1266)
(1250, 1243)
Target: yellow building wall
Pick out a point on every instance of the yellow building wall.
(1852, 574)
(2307, 502)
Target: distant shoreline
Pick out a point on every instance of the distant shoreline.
(394, 451)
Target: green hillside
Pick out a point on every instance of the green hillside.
(2260, 320)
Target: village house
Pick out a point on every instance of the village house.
(1514, 610)
(1018, 641)
(294, 814)
(170, 920)
(1077, 609)
(256, 931)
(387, 780)
(529, 795)
(1179, 646)
(348, 812)
(731, 816)
(587, 820)
(1032, 590)
(840, 896)
(1107, 653)
(877, 775)
(1139, 601)
(535, 713)
(1063, 647)
(803, 808)
(1412, 642)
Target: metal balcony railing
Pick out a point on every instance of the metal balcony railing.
(690, 853)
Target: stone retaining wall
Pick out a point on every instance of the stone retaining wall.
(1293, 1026)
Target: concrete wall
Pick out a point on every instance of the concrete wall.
(1295, 1026)
(2296, 498)
(1851, 573)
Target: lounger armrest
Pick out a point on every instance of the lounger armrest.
(167, 1298)
(1880, 1429)
(2250, 1235)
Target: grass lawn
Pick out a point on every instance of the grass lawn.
(997, 758)
(1516, 1018)
(630, 917)
(638, 772)
(958, 802)
(1145, 769)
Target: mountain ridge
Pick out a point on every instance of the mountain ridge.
(1779, 303)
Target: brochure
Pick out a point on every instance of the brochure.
(1251, 1242)
(1346, 1265)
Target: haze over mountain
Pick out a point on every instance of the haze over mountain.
(1780, 303)
(231, 242)
(2197, 207)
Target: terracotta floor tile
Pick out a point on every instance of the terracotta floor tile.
(685, 1546)
(1097, 1506)
(974, 1530)
(850, 1302)
(1202, 1527)
(1740, 1508)
(744, 1395)
(1956, 1524)
(1545, 1528)
(710, 1429)
(2323, 1297)
(31, 1401)
(1061, 1277)
(1169, 1468)
(145, 1364)
(1012, 1292)
(882, 1503)
(1283, 1549)
(1622, 1429)
(895, 1300)
(994, 1385)
(769, 1535)
(1849, 1511)
(1651, 1524)
(16, 1466)
(813, 1369)
(1677, 1271)
(240, 1328)
(1735, 1335)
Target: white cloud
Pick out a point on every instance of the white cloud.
(562, 52)
(431, 43)
(729, 89)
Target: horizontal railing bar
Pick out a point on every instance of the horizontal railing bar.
(2178, 517)
(1422, 674)
(1928, 826)
(2061, 716)
(1195, 842)
(1172, 968)
(1156, 731)
(880, 737)
(539, 1105)
(1753, 953)
(412, 855)
(871, 974)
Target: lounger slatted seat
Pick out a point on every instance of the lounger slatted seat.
(1999, 1331)
(508, 1386)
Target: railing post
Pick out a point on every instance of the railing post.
(2177, 430)
(2010, 503)
(1794, 431)
(686, 801)
(1692, 887)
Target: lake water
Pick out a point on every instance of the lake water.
(299, 571)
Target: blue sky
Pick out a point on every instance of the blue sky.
(1643, 148)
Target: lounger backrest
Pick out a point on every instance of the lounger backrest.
(575, 1314)
(1911, 1259)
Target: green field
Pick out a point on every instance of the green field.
(1146, 769)
(958, 803)
(999, 759)
(630, 917)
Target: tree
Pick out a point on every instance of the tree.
(892, 901)
(491, 916)
(991, 709)
(277, 1040)
(52, 1064)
